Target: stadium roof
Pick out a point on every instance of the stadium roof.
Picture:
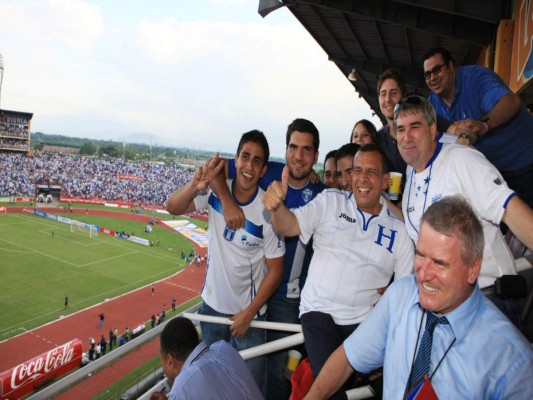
(373, 35)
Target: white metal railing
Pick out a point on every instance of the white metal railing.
(522, 264)
(363, 392)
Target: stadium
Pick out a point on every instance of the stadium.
(90, 254)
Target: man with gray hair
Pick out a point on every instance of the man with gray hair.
(435, 331)
(436, 170)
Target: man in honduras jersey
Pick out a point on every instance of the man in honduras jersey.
(358, 246)
(245, 265)
(438, 170)
(302, 141)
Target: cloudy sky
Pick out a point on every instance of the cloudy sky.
(191, 74)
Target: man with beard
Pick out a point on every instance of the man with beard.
(302, 142)
(246, 264)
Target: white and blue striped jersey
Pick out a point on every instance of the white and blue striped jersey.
(297, 253)
(236, 263)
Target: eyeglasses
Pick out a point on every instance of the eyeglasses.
(412, 99)
(435, 70)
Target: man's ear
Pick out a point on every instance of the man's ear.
(264, 170)
(316, 157)
(474, 271)
(433, 130)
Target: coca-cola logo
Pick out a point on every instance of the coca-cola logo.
(41, 365)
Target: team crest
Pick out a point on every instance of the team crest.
(307, 195)
(229, 234)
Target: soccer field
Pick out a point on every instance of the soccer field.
(41, 261)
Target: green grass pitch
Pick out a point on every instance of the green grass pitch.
(41, 260)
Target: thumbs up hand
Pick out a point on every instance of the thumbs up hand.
(277, 191)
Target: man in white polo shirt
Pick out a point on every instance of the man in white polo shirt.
(436, 170)
(358, 246)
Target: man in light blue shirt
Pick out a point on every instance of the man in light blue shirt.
(478, 354)
(197, 371)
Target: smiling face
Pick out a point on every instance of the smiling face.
(360, 135)
(390, 94)
(330, 173)
(440, 77)
(344, 172)
(368, 180)
(416, 139)
(250, 165)
(300, 156)
(444, 280)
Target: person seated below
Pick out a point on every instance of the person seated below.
(197, 371)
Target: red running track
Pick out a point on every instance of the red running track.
(129, 310)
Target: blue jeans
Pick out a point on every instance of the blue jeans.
(212, 333)
(280, 309)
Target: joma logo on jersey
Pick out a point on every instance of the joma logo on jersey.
(347, 218)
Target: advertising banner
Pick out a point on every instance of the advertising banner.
(26, 377)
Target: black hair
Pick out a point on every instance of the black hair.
(179, 338)
(374, 148)
(445, 54)
(303, 125)
(258, 137)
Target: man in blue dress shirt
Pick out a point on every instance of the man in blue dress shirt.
(197, 371)
(477, 354)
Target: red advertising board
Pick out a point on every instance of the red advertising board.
(30, 375)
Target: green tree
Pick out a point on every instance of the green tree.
(110, 150)
(87, 149)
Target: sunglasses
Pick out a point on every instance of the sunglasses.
(435, 70)
(412, 99)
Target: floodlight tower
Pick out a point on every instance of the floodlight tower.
(1, 78)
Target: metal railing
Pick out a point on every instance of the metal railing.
(364, 392)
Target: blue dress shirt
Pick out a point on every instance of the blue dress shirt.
(214, 372)
(477, 90)
(490, 359)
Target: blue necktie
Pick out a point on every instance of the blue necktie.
(423, 357)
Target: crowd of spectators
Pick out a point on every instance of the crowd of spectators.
(104, 178)
(14, 131)
(8, 143)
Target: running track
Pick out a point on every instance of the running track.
(129, 310)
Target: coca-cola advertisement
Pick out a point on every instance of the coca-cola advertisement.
(32, 374)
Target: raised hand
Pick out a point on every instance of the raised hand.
(203, 174)
(277, 191)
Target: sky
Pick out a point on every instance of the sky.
(178, 73)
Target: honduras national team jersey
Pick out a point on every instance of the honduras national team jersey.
(236, 265)
(298, 254)
(456, 169)
(355, 254)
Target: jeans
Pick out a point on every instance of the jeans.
(212, 333)
(322, 338)
(280, 309)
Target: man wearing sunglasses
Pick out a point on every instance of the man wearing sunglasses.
(479, 102)
(437, 170)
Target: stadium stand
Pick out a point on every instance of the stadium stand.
(103, 178)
